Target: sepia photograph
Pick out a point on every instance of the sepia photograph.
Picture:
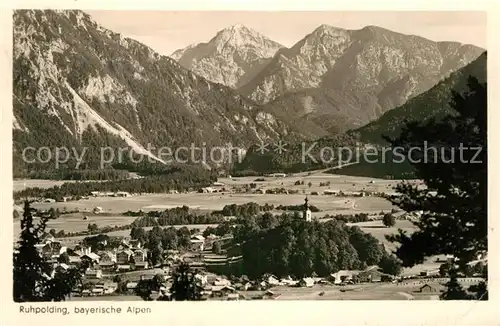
(248, 156)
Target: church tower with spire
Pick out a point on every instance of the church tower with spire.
(307, 215)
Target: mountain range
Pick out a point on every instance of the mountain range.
(434, 103)
(334, 78)
(78, 84)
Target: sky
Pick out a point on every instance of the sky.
(167, 31)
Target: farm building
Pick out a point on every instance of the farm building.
(426, 288)
(370, 274)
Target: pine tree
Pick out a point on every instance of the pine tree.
(454, 290)
(184, 286)
(454, 169)
(32, 274)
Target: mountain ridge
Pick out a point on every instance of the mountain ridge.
(78, 84)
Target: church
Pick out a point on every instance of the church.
(306, 214)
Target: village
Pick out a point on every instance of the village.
(115, 274)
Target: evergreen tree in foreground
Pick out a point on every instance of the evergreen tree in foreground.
(453, 165)
(184, 286)
(33, 279)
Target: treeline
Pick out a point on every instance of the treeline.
(174, 216)
(95, 174)
(179, 179)
(356, 218)
(246, 209)
(288, 245)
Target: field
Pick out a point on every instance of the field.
(206, 201)
(369, 291)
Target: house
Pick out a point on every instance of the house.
(343, 276)
(81, 250)
(49, 200)
(94, 193)
(90, 258)
(198, 242)
(110, 287)
(140, 259)
(107, 261)
(306, 282)
(93, 273)
(426, 288)
(221, 282)
(98, 289)
(330, 192)
(131, 286)
(53, 249)
(122, 194)
(272, 280)
(123, 257)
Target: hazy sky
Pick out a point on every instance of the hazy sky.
(167, 31)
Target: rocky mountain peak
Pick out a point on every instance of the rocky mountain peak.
(232, 57)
